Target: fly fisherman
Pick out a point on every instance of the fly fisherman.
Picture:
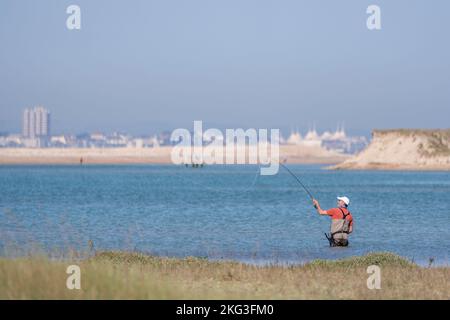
(341, 222)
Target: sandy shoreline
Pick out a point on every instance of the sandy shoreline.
(390, 167)
(161, 155)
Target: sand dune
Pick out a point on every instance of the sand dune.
(404, 149)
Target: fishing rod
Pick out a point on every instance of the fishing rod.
(298, 180)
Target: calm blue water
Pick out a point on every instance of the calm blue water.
(223, 211)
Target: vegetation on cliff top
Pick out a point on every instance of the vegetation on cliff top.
(437, 140)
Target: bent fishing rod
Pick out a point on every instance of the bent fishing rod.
(298, 180)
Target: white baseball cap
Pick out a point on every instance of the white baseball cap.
(345, 199)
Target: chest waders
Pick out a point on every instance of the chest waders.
(338, 236)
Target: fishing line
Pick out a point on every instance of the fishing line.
(256, 178)
(298, 180)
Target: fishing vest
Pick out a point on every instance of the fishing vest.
(340, 227)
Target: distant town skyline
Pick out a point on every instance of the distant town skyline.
(36, 133)
(152, 66)
(36, 122)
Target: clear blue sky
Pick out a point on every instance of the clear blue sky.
(143, 66)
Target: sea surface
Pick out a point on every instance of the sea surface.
(222, 212)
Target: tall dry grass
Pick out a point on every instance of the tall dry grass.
(121, 275)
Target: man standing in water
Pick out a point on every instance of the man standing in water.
(341, 222)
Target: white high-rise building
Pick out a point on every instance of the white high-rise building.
(27, 130)
(36, 123)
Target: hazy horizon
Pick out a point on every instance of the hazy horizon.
(148, 66)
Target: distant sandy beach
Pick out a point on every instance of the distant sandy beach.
(159, 155)
(390, 167)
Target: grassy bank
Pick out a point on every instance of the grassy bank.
(119, 275)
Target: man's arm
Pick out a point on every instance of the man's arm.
(318, 208)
